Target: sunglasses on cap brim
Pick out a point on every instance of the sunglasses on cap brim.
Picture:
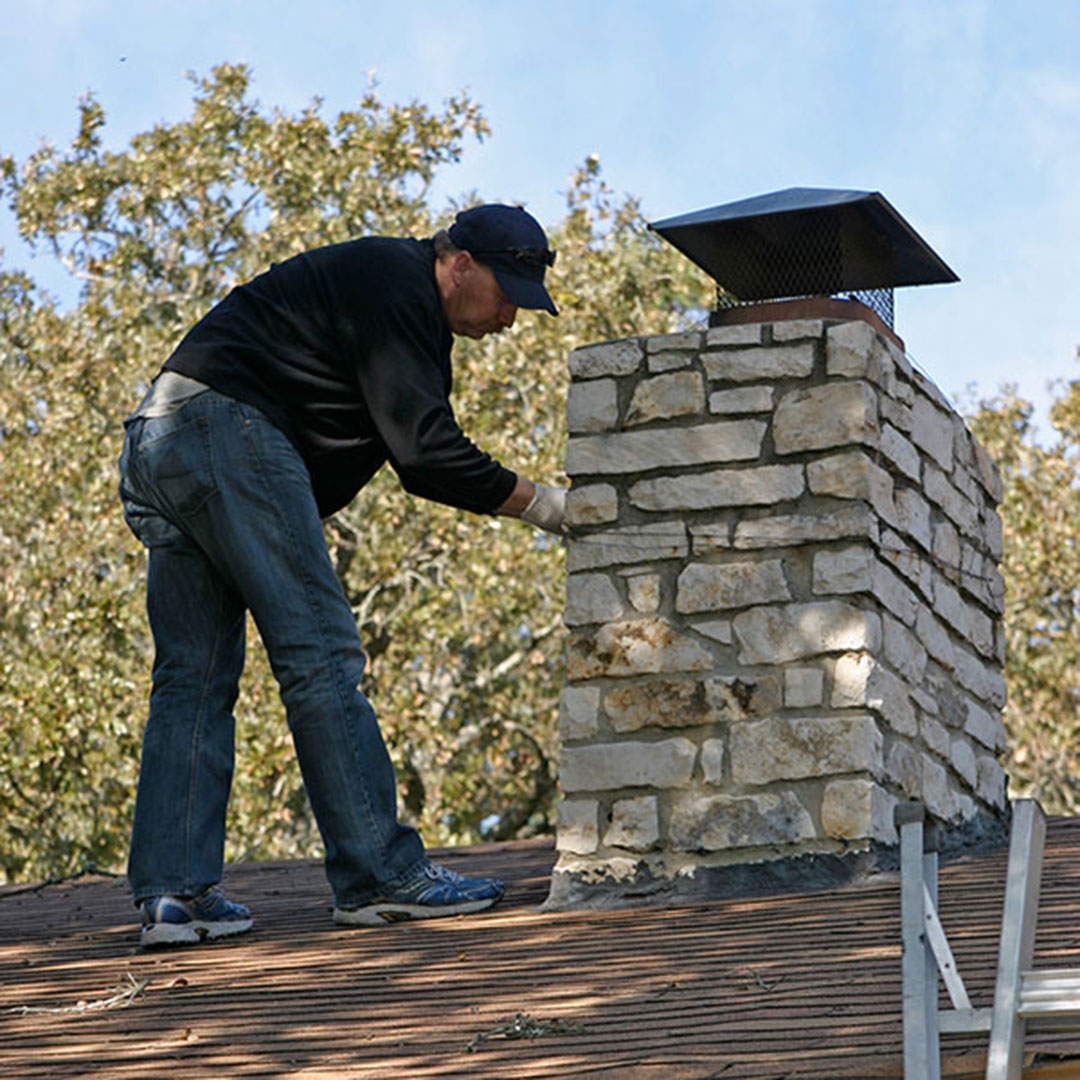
(529, 256)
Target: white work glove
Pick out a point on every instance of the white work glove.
(547, 509)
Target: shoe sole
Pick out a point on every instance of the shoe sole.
(191, 933)
(382, 913)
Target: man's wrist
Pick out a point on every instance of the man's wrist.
(518, 499)
(547, 509)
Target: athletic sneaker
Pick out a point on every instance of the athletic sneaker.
(434, 892)
(178, 920)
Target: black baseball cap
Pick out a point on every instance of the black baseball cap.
(512, 243)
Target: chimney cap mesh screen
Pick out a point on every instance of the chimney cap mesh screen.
(806, 242)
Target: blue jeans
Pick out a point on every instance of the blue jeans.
(223, 502)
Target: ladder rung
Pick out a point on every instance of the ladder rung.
(955, 1021)
(1044, 993)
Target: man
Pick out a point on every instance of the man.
(272, 413)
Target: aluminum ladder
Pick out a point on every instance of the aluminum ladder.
(1024, 1000)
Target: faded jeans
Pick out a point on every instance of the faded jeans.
(223, 502)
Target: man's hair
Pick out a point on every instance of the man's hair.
(444, 246)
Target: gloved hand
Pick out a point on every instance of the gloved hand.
(547, 509)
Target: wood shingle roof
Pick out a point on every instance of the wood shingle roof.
(804, 986)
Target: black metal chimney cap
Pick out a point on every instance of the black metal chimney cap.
(803, 242)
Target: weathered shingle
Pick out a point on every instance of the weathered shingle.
(796, 986)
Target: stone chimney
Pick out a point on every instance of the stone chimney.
(784, 611)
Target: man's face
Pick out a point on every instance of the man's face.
(478, 307)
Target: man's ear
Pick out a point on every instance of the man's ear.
(461, 266)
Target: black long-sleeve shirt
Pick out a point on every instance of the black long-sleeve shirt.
(347, 350)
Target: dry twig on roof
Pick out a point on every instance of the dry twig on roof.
(524, 1026)
(121, 997)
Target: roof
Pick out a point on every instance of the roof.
(791, 986)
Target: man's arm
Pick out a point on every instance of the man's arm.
(544, 507)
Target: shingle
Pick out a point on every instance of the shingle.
(804, 986)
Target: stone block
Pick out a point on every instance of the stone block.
(896, 413)
(932, 431)
(858, 810)
(985, 727)
(682, 340)
(712, 761)
(635, 824)
(665, 703)
(658, 363)
(965, 619)
(664, 448)
(759, 486)
(681, 393)
(592, 406)
(824, 417)
(849, 347)
(904, 767)
(993, 535)
(591, 598)
(926, 386)
(935, 736)
(785, 748)
(856, 570)
(925, 701)
(711, 537)
(992, 781)
(740, 697)
(860, 680)
(960, 510)
(608, 767)
(903, 557)
(947, 548)
(747, 334)
(721, 822)
(900, 452)
(715, 586)
(978, 676)
(962, 757)
(903, 650)
(643, 592)
(794, 329)
(851, 475)
(937, 793)
(577, 832)
(639, 647)
(717, 629)
(804, 687)
(592, 504)
(935, 638)
(579, 713)
(988, 473)
(743, 399)
(913, 516)
(775, 635)
(783, 530)
(632, 544)
(610, 358)
(765, 362)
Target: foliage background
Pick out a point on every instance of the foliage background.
(460, 614)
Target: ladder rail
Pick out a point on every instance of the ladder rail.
(1025, 999)
(1018, 920)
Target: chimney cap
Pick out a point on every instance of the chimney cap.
(805, 241)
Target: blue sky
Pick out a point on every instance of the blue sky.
(965, 114)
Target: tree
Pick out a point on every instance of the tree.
(1041, 524)
(460, 615)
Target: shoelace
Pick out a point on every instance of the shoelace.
(438, 872)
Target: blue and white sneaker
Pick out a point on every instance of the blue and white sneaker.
(434, 892)
(177, 920)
